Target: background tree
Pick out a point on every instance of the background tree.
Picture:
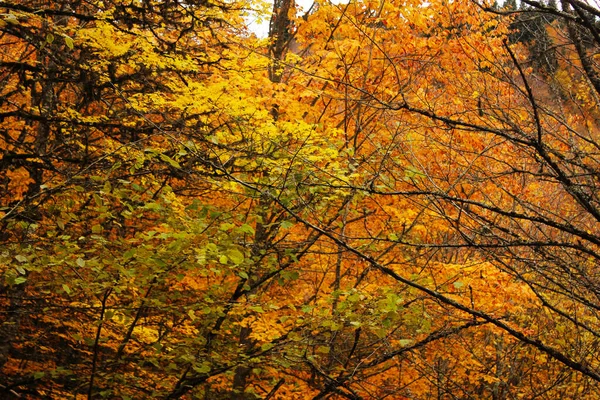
(494, 130)
(511, 176)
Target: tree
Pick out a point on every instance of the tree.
(500, 143)
(112, 139)
(513, 177)
(405, 208)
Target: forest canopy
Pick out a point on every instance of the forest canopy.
(381, 200)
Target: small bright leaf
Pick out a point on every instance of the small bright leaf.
(458, 284)
(236, 256)
(19, 280)
(69, 42)
(286, 224)
(66, 288)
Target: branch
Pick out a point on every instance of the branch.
(530, 96)
(539, 345)
(96, 349)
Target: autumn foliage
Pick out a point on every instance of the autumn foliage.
(381, 199)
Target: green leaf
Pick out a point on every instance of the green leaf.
(69, 42)
(286, 224)
(129, 254)
(194, 206)
(152, 206)
(226, 226)
(81, 262)
(458, 284)
(212, 247)
(98, 200)
(202, 368)
(170, 161)
(353, 298)
(380, 332)
(97, 229)
(107, 187)
(243, 275)
(66, 288)
(267, 346)
(246, 229)
(159, 262)
(307, 308)
(49, 38)
(19, 280)
(21, 258)
(290, 275)
(236, 256)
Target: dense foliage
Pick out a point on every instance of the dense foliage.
(382, 199)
